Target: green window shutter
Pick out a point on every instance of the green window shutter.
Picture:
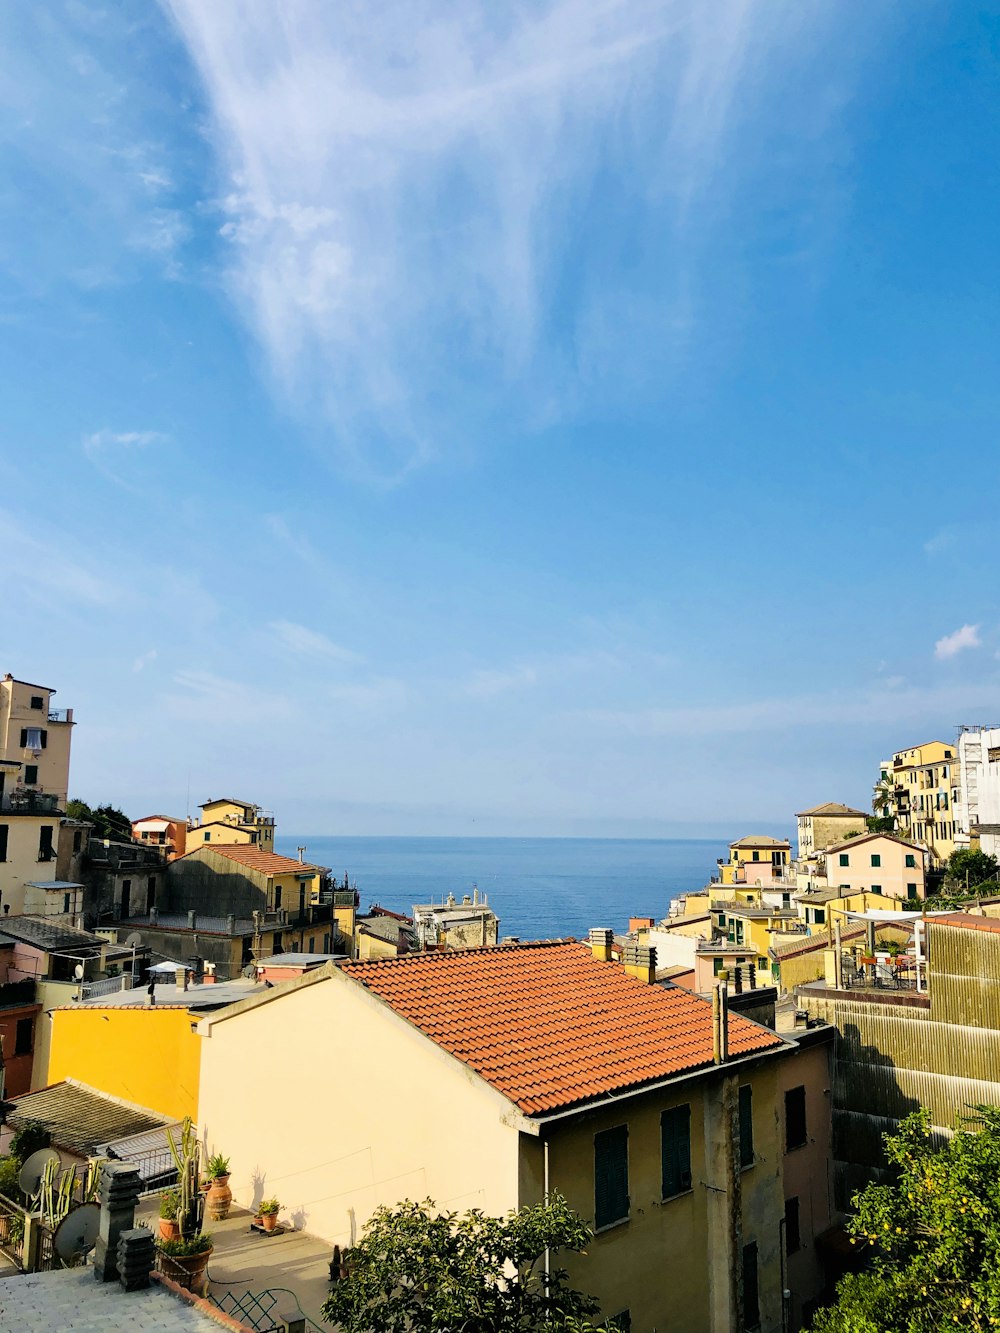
(845, 859)
(611, 1176)
(746, 1125)
(876, 860)
(675, 1140)
(911, 861)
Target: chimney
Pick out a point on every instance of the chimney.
(136, 1258)
(192, 920)
(231, 924)
(720, 1021)
(640, 962)
(302, 854)
(209, 978)
(180, 978)
(117, 1195)
(601, 941)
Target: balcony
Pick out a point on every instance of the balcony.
(60, 715)
(24, 801)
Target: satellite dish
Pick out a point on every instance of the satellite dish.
(134, 941)
(78, 971)
(76, 1234)
(30, 1175)
(249, 972)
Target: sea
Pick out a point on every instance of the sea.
(540, 888)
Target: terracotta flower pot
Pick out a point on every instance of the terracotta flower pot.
(187, 1270)
(169, 1229)
(219, 1198)
(269, 1221)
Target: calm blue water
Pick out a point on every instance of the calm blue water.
(539, 887)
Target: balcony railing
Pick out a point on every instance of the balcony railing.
(27, 802)
(59, 714)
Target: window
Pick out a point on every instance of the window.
(207, 836)
(4, 829)
(277, 897)
(611, 1176)
(675, 1144)
(819, 915)
(876, 860)
(312, 944)
(77, 840)
(751, 1294)
(911, 890)
(746, 1125)
(31, 775)
(45, 843)
(66, 904)
(37, 701)
(911, 861)
(845, 859)
(795, 1118)
(793, 1235)
(33, 738)
(23, 1039)
(876, 888)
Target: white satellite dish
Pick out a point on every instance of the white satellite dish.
(78, 971)
(134, 941)
(249, 972)
(30, 1175)
(76, 1234)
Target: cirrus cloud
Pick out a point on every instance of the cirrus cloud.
(956, 642)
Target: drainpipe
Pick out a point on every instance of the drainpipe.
(838, 959)
(545, 1175)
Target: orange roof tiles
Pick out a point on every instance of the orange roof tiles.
(550, 1027)
(254, 858)
(966, 920)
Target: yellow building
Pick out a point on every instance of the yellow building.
(756, 858)
(37, 845)
(540, 1067)
(108, 1044)
(232, 822)
(918, 788)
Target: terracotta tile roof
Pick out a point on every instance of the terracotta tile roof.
(547, 1025)
(831, 808)
(81, 1119)
(966, 920)
(254, 858)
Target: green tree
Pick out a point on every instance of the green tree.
(932, 1237)
(967, 867)
(885, 795)
(108, 820)
(416, 1269)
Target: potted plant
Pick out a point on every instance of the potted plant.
(268, 1211)
(186, 1259)
(219, 1198)
(169, 1203)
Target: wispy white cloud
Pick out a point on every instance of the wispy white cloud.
(400, 178)
(43, 559)
(305, 642)
(961, 639)
(109, 450)
(144, 660)
(916, 705)
(489, 684)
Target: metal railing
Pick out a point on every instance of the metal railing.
(59, 714)
(28, 802)
(258, 1309)
(107, 986)
(12, 1228)
(900, 975)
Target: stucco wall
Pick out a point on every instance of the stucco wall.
(381, 1113)
(110, 1049)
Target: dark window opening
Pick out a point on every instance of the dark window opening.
(751, 1291)
(277, 897)
(126, 898)
(795, 1118)
(611, 1200)
(45, 843)
(746, 1125)
(31, 775)
(793, 1236)
(675, 1146)
(24, 1037)
(66, 903)
(77, 840)
(37, 701)
(4, 829)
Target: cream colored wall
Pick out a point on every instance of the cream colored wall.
(892, 876)
(53, 761)
(382, 1114)
(22, 863)
(817, 832)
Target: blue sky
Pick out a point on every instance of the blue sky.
(573, 417)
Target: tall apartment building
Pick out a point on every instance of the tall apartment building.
(918, 788)
(230, 822)
(977, 801)
(38, 846)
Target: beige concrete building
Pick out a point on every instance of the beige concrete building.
(469, 924)
(37, 845)
(231, 823)
(756, 859)
(826, 824)
(538, 1066)
(918, 788)
(878, 863)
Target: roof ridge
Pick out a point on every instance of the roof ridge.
(430, 954)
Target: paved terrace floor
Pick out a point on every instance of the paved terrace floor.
(244, 1261)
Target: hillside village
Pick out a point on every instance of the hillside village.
(707, 1089)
